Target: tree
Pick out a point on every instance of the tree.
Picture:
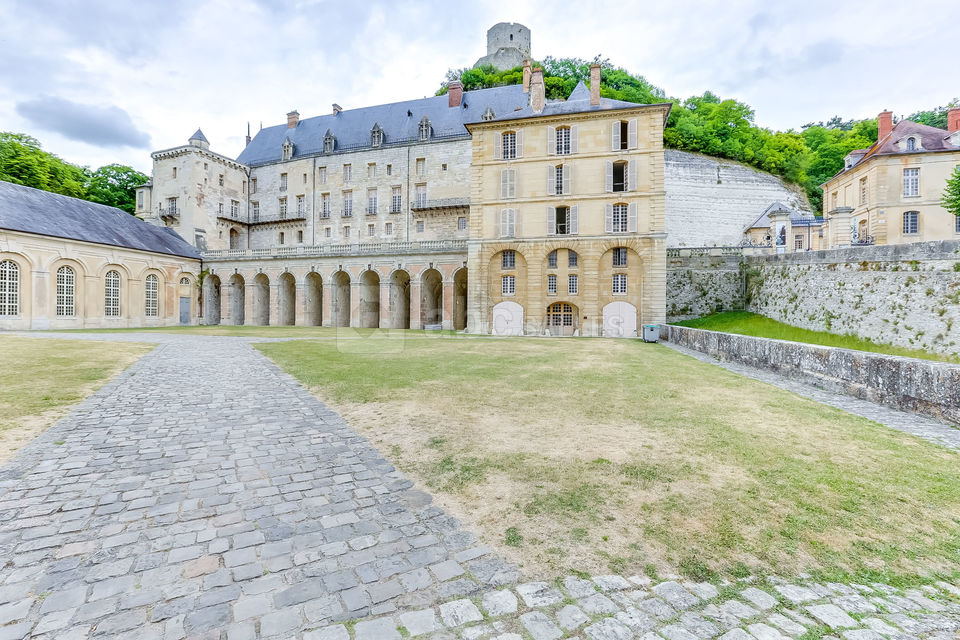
(936, 117)
(23, 161)
(115, 185)
(951, 194)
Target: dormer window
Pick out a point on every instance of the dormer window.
(911, 144)
(329, 142)
(287, 149)
(425, 129)
(376, 136)
(488, 115)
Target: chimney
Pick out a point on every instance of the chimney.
(248, 134)
(526, 75)
(953, 120)
(594, 84)
(337, 109)
(537, 96)
(292, 119)
(884, 124)
(454, 93)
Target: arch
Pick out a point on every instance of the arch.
(287, 298)
(340, 300)
(211, 299)
(111, 294)
(562, 318)
(460, 299)
(619, 320)
(151, 296)
(77, 288)
(238, 295)
(507, 319)
(9, 288)
(431, 299)
(261, 299)
(66, 291)
(234, 238)
(399, 299)
(313, 299)
(370, 299)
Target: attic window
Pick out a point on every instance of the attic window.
(911, 144)
(376, 136)
(488, 114)
(287, 149)
(425, 129)
(329, 142)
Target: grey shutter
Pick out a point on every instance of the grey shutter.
(520, 143)
(573, 224)
(608, 219)
(516, 222)
(498, 146)
(498, 224)
(632, 183)
(574, 145)
(615, 136)
(551, 181)
(552, 141)
(609, 183)
(567, 177)
(632, 134)
(551, 221)
(504, 178)
(512, 183)
(632, 217)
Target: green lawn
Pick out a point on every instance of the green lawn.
(600, 455)
(272, 331)
(753, 324)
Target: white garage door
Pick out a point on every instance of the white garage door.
(620, 320)
(507, 319)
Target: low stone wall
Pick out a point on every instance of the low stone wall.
(704, 281)
(907, 384)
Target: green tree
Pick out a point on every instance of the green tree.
(951, 194)
(23, 161)
(115, 185)
(936, 117)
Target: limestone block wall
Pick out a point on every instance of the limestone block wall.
(907, 295)
(710, 200)
(703, 282)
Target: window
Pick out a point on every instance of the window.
(552, 259)
(443, 167)
(282, 241)
(620, 257)
(508, 183)
(324, 205)
(347, 172)
(111, 294)
(571, 258)
(346, 232)
(835, 199)
(388, 229)
(563, 141)
(420, 226)
(560, 314)
(66, 280)
(376, 136)
(372, 201)
(372, 170)
(220, 209)
(283, 207)
(619, 218)
(323, 175)
(234, 208)
(462, 223)
(152, 296)
(255, 211)
(619, 283)
(329, 142)
(299, 205)
(253, 186)
(508, 285)
(371, 230)
(509, 145)
(558, 179)
(508, 259)
(185, 280)
(304, 178)
(396, 200)
(421, 166)
(624, 135)
(327, 232)
(300, 236)
(220, 179)
(572, 285)
(911, 144)
(863, 191)
(283, 182)
(798, 242)
(243, 187)
(552, 284)
(911, 182)
(9, 288)
(619, 176)
(562, 221)
(347, 204)
(174, 172)
(508, 223)
(911, 222)
(139, 199)
(389, 169)
(172, 206)
(421, 195)
(425, 128)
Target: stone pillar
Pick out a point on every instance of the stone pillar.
(354, 302)
(477, 278)
(41, 299)
(385, 303)
(780, 229)
(446, 304)
(327, 294)
(840, 231)
(415, 319)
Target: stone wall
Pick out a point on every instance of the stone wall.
(907, 384)
(703, 281)
(906, 295)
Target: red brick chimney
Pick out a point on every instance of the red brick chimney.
(526, 75)
(537, 90)
(953, 120)
(594, 84)
(884, 124)
(454, 93)
(292, 119)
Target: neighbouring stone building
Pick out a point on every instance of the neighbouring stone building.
(508, 45)
(67, 263)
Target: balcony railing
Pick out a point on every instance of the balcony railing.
(359, 249)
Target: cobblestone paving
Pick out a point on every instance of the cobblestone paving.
(204, 493)
(911, 423)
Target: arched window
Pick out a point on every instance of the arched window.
(152, 296)
(572, 258)
(9, 288)
(111, 294)
(376, 136)
(66, 283)
(184, 280)
(552, 259)
(911, 144)
(425, 129)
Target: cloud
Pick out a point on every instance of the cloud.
(108, 126)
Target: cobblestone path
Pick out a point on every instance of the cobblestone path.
(204, 491)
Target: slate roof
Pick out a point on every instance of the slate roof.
(797, 218)
(352, 127)
(199, 136)
(931, 139)
(51, 214)
(578, 102)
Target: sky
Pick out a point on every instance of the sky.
(102, 82)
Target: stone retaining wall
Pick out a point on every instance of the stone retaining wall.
(907, 384)
(703, 281)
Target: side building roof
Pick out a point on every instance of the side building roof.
(31, 210)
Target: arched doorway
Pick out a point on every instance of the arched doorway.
(431, 299)
(400, 300)
(313, 300)
(460, 299)
(370, 299)
(261, 299)
(619, 320)
(507, 319)
(287, 297)
(211, 299)
(237, 299)
(234, 239)
(562, 319)
(340, 300)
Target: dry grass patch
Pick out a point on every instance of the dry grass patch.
(605, 455)
(42, 378)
